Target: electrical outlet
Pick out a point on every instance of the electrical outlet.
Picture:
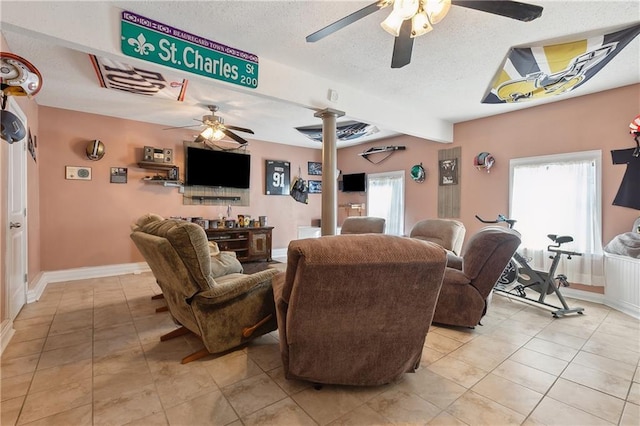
(78, 173)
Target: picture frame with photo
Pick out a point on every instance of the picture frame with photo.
(448, 172)
(314, 168)
(315, 187)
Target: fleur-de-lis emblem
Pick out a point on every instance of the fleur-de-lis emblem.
(141, 45)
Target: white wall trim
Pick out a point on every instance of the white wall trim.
(583, 295)
(47, 277)
(624, 307)
(6, 333)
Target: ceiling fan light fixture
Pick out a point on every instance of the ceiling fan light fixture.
(213, 133)
(436, 10)
(420, 24)
(405, 9)
(392, 24)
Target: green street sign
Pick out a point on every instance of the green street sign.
(162, 44)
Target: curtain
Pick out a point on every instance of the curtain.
(385, 198)
(560, 196)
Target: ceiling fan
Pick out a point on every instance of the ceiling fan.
(413, 18)
(216, 129)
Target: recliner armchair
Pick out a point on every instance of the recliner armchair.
(363, 225)
(448, 233)
(355, 309)
(225, 311)
(466, 292)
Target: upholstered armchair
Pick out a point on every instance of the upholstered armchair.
(355, 309)
(363, 225)
(466, 292)
(448, 233)
(204, 292)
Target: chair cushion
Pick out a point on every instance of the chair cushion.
(225, 263)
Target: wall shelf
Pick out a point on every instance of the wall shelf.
(155, 166)
(164, 182)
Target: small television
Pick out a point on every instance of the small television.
(355, 182)
(210, 167)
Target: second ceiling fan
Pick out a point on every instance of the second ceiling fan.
(412, 18)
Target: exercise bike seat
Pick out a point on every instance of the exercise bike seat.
(560, 239)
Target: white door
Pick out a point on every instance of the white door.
(16, 243)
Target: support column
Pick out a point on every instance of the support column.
(329, 170)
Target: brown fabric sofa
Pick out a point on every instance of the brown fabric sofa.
(363, 225)
(225, 311)
(465, 292)
(355, 309)
(448, 233)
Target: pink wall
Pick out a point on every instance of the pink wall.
(87, 223)
(598, 121)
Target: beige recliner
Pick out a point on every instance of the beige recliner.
(225, 311)
(355, 309)
(363, 225)
(448, 233)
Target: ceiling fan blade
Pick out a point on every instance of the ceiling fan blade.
(200, 138)
(240, 129)
(235, 137)
(402, 46)
(511, 9)
(341, 23)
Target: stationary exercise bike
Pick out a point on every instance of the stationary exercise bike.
(519, 271)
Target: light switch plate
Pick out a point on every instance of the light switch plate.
(78, 173)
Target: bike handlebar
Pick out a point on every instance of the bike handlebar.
(501, 218)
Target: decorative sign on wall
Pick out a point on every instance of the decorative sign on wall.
(124, 77)
(277, 177)
(314, 168)
(152, 41)
(315, 187)
(118, 175)
(449, 188)
(448, 171)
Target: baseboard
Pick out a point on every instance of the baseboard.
(624, 307)
(583, 295)
(6, 333)
(47, 277)
(279, 254)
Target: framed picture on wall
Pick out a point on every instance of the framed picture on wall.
(314, 168)
(315, 187)
(277, 177)
(448, 171)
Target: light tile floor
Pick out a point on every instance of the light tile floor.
(89, 353)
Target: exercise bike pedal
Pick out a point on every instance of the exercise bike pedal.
(562, 280)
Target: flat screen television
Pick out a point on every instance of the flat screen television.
(209, 167)
(355, 182)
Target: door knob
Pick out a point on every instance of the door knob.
(14, 225)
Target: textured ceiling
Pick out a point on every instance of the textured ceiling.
(451, 67)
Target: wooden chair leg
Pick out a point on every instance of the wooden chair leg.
(157, 296)
(162, 309)
(194, 356)
(175, 333)
(248, 331)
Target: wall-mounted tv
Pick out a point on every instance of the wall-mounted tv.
(209, 167)
(355, 182)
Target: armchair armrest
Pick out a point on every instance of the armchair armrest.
(228, 290)
(454, 276)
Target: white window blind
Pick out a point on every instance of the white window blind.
(385, 198)
(560, 194)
